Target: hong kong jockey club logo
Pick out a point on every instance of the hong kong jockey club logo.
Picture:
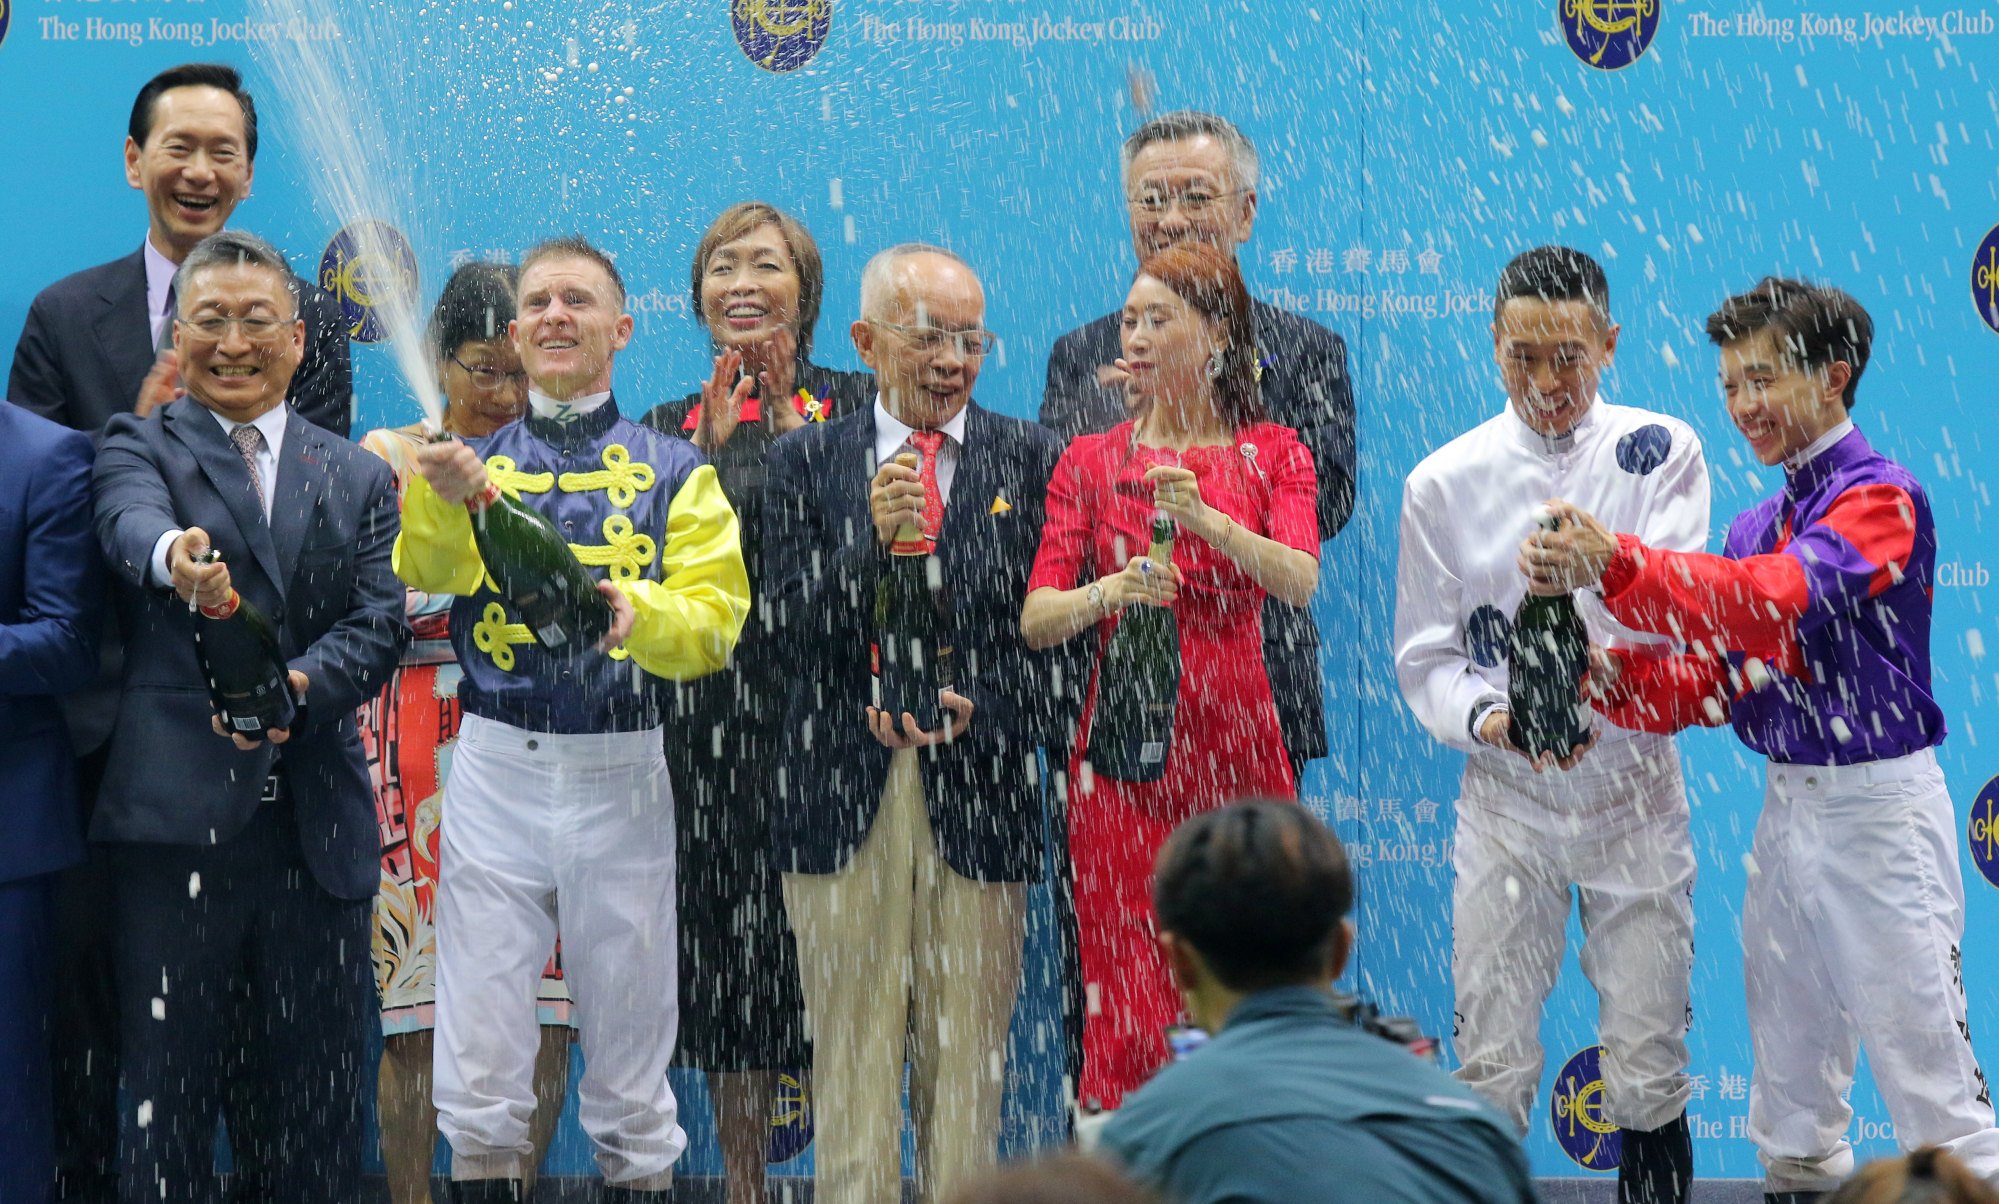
(1576, 1113)
(1984, 832)
(6, 18)
(1984, 272)
(781, 35)
(367, 268)
(790, 1119)
(1608, 34)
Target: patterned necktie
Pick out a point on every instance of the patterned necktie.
(930, 443)
(249, 440)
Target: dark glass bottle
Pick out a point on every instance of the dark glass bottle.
(248, 683)
(530, 562)
(1545, 663)
(1131, 732)
(910, 651)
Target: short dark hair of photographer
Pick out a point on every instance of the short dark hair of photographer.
(1064, 1179)
(193, 75)
(1818, 325)
(1259, 893)
(1554, 274)
(1925, 1176)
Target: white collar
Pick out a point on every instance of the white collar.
(545, 406)
(1819, 446)
(159, 278)
(888, 427)
(1556, 444)
(271, 423)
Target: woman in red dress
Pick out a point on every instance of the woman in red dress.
(1243, 491)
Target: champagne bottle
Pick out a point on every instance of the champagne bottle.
(533, 567)
(909, 651)
(1546, 659)
(248, 682)
(1138, 686)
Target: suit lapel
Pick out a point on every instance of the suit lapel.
(223, 465)
(856, 455)
(972, 489)
(301, 484)
(122, 326)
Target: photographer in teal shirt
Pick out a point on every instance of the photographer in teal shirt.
(1290, 1101)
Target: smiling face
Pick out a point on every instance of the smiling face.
(238, 374)
(570, 325)
(1186, 188)
(1779, 406)
(749, 288)
(1167, 344)
(483, 389)
(925, 375)
(1551, 354)
(194, 167)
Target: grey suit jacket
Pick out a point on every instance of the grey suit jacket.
(320, 569)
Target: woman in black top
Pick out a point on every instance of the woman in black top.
(757, 282)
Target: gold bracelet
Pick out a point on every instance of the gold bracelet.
(1228, 536)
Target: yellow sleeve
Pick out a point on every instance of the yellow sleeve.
(435, 551)
(689, 620)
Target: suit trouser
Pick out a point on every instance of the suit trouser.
(535, 822)
(1614, 832)
(1850, 931)
(185, 947)
(27, 1094)
(894, 944)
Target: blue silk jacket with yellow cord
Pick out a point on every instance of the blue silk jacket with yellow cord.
(640, 509)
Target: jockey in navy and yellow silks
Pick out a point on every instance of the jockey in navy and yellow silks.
(640, 509)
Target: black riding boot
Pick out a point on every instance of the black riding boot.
(1656, 1167)
(486, 1191)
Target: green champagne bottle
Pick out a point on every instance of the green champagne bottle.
(1546, 659)
(555, 596)
(910, 653)
(1138, 686)
(248, 682)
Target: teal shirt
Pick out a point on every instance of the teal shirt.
(1293, 1104)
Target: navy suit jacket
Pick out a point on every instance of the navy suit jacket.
(88, 345)
(1306, 387)
(822, 561)
(51, 590)
(319, 569)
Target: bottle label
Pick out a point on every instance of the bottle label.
(1152, 752)
(226, 609)
(551, 635)
(244, 724)
(478, 502)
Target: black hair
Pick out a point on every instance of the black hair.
(1258, 889)
(1554, 274)
(1815, 324)
(193, 75)
(476, 305)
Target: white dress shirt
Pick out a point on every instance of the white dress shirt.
(272, 424)
(159, 281)
(1465, 510)
(892, 436)
(1818, 446)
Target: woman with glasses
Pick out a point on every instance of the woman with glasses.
(756, 283)
(408, 731)
(1243, 493)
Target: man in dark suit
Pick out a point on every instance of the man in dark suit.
(906, 852)
(237, 859)
(1192, 175)
(50, 589)
(97, 344)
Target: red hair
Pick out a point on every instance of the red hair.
(1209, 280)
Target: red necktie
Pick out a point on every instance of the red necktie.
(930, 443)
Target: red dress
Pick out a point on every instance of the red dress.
(1227, 744)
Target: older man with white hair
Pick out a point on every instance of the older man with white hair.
(906, 852)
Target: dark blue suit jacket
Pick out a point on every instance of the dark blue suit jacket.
(320, 569)
(1306, 387)
(51, 591)
(821, 562)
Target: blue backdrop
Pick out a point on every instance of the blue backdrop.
(1410, 148)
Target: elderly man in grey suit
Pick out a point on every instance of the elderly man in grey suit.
(238, 859)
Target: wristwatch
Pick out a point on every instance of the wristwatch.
(1095, 593)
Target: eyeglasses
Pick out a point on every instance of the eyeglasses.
(489, 378)
(1193, 202)
(257, 328)
(929, 340)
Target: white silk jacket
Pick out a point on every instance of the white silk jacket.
(1465, 510)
